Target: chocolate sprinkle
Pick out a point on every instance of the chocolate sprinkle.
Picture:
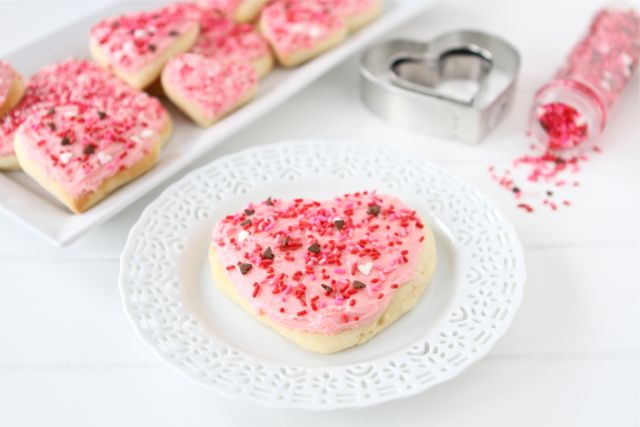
(314, 248)
(52, 126)
(339, 223)
(89, 149)
(268, 253)
(249, 212)
(64, 141)
(245, 223)
(269, 202)
(358, 284)
(245, 267)
(516, 190)
(173, 33)
(549, 193)
(285, 242)
(102, 115)
(327, 288)
(50, 111)
(152, 47)
(373, 210)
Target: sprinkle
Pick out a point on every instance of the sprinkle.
(65, 157)
(269, 201)
(314, 248)
(104, 158)
(327, 288)
(268, 253)
(365, 268)
(89, 149)
(230, 267)
(373, 210)
(245, 223)
(358, 284)
(256, 288)
(65, 141)
(102, 115)
(245, 267)
(242, 235)
(339, 223)
(249, 212)
(147, 133)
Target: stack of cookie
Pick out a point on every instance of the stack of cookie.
(81, 129)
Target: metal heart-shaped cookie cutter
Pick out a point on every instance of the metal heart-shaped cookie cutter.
(459, 85)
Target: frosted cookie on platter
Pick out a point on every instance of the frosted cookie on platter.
(327, 275)
(80, 81)
(238, 10)
(222, 39)
(299, 31)
(136, 46)
(207, 89)
(357, 13)
(80, 154)
(11, 91)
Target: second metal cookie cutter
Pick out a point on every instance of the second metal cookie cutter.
(459, 85)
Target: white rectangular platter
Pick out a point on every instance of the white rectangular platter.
(23, 200)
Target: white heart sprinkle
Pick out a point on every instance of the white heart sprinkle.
(365, 268)
(147, 133)
(337, 219)
(104, 158)
(139, 34)
(65, 157)
(242, 235)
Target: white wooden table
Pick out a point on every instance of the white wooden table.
(68, 356)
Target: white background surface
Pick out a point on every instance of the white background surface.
(68, 356)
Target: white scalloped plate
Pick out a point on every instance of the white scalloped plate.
(176, 308)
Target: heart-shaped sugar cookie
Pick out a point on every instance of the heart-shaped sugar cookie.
(135, 47)
(80, 153)
(80, 81)
(328, 274)
(222, 39)
(207, 89)
(299, 31)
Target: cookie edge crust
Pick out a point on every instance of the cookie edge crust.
(16, 92)
(403, 300)
(85, 201)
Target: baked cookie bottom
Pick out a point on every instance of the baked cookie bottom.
(85, 201)
(403, 300)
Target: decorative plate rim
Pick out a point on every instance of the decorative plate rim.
(518, 275)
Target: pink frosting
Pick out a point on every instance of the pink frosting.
(73, 81)
(134, 41)
(349, 8)
(290, 25)
(7, 77)
(214, 86)
(335, 263)
(228, 7)
(221, 38)
(80, 146)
